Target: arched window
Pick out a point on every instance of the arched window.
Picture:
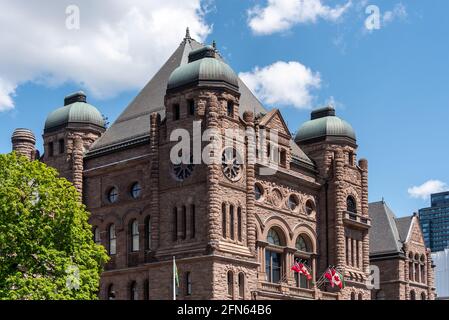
(230, 109)
(148, 233)
(188, 284)
(239, 224)
(134, 236)
(241, 285)
(273, 257)
(303, 244)
(112, 240)
(360, 296)
(136, 190)
(230, 284)
(273, 237)
(412, 295)
(175, 224)
(224, 220)
(231, 221)
(97, 236)
(134, 295)
(351, 204)
(192, 221)
(184, 222)
(111, 292)
(423, 296)
(352, 295)
(113, 195)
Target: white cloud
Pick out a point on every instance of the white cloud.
(118, 47)
(283, 83)
(281, 15)
(426, 189)
(399, 12)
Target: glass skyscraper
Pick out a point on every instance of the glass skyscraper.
(435, 222)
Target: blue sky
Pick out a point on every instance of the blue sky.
(391, 84)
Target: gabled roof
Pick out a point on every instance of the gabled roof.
(384, 235)
(133, 125)
(404, 224)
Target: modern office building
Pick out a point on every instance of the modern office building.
(435, 222)
(441, 261)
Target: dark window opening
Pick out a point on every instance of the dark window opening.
(230, 109)
(188, 284)
(50, 149)
(231, 222)
(176, 112)
(224, 220)
(192, 221)
(61, 146)
(351, 204)
(239, 224)
(191, 106)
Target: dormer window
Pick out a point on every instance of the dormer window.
(230, 109)
(176, 112)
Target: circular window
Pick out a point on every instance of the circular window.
(136, 190)
(113, 195)
(276, 197)
(258, 190)
(183, 170)
(310, 207)
(293, 202)
(231, 163)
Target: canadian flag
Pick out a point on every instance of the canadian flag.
(335, 278)
(301, 268)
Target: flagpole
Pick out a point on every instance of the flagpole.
(174, 279)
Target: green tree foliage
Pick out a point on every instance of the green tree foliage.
(46, 244)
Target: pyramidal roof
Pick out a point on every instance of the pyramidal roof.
(133, 125)
(387, 233)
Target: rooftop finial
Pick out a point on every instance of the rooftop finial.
(187, 34)
(214, 45)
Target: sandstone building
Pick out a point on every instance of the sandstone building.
(234, 231)
(404, 261)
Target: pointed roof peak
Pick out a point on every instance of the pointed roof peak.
(187, 36)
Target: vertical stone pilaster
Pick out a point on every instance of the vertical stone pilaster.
(213, 174)
(78, 163)
(248, 117)
(406, 274)
(340, 208)
(429, 275)
(363, 164)
(155, 120)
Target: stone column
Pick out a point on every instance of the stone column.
(155, 120)
(78, 163)
(213, 175)
(363, 164)
(248, 117)
(340, 208)
(429, 275)
(407, 274)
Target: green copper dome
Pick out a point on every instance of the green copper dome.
(75, 110)
(204, 68)
(324, 123)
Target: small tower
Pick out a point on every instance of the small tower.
(343, 214)
(69, 132)
(23, 143)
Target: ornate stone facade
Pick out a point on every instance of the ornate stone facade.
(234, 230)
